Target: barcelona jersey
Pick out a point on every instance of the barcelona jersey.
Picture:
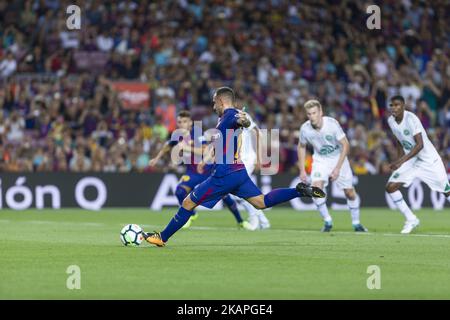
(228, 159)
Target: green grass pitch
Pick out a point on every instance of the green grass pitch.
(214, 260)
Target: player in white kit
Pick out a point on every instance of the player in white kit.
(329, 161)
(249, 156)
(419, 160)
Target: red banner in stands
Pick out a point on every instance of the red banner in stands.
(134, 95)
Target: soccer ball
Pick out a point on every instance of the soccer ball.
(131, 235)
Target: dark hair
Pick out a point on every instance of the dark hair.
(226, 92)
(184, 114)
(399, 98)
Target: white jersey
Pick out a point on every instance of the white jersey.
(405, 132)
(324, 141)
(248, 148)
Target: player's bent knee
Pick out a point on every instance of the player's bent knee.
(181, 192)
(392, 187)
(350, 194)
(259, 206)
(188, 204)
(257, 202)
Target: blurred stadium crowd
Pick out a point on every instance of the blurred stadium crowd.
(59, 110)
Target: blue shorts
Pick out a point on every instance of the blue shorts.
(190, 180)
(213, 189)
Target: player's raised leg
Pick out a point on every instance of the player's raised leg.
(209, 192)
(281, 195)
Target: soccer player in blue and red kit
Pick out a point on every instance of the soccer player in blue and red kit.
(193, 176)
(229, 174)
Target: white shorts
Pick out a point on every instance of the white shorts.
(249, 166)
(433, 174)
(322, 168)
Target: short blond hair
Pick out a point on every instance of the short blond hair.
(311, 104)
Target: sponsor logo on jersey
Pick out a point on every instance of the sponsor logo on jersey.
(406, 132)
(407, 145)
(329, 138)
(327, 149)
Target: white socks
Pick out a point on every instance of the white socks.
(397, 197)
(321, 204)
(253, 212)
(353, 206)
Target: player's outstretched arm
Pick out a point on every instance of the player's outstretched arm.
(399, 147)
(207, 158)
(198, 150)
(301, 152)
(414, 151)
(165, 149)
(344, 152)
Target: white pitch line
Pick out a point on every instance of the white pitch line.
(98, 224)
(87, 224)
(417, 235)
